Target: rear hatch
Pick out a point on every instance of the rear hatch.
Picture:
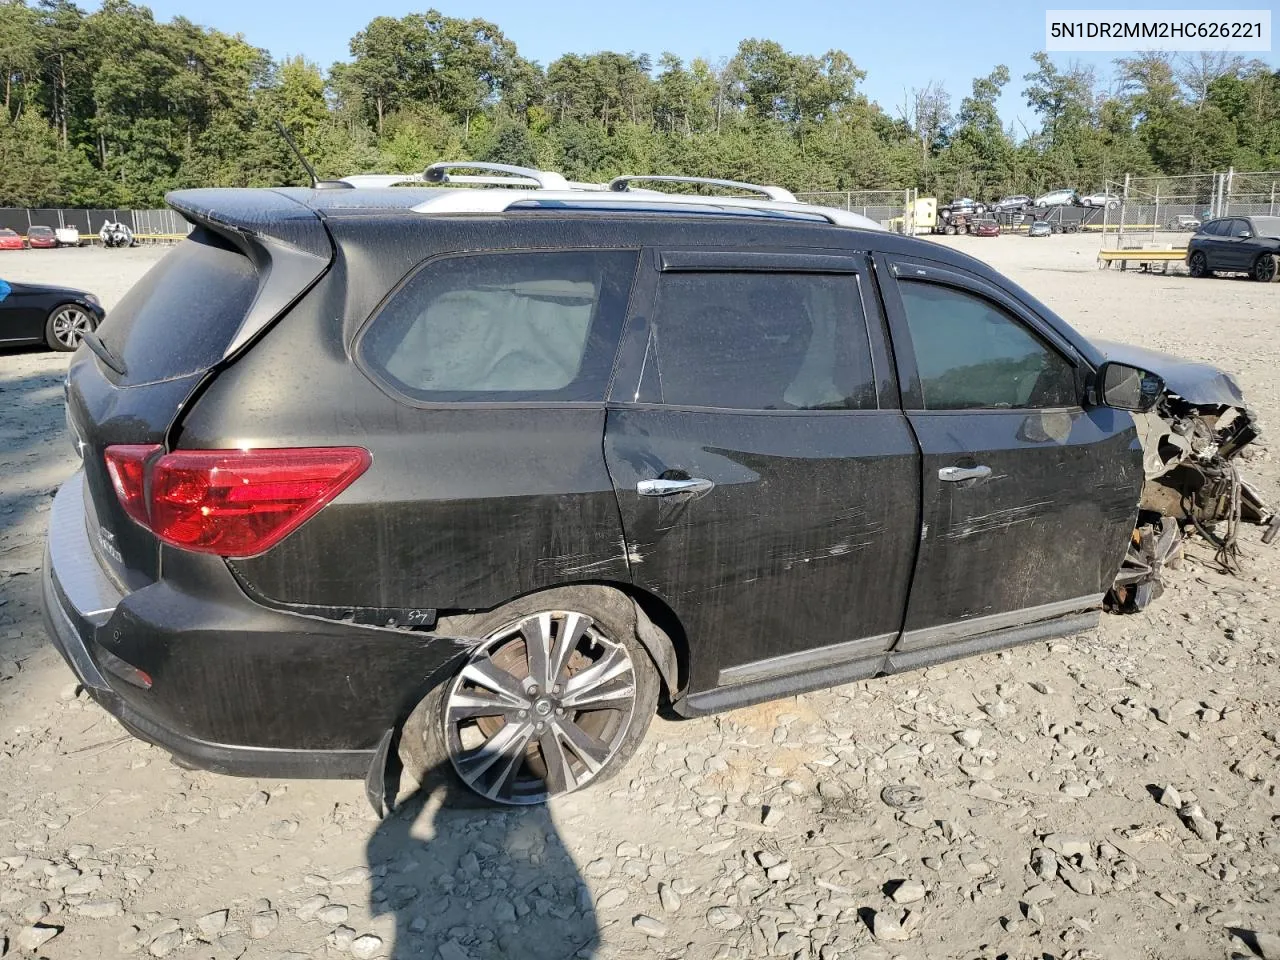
(251, 255)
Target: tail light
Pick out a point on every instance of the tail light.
(127, 467)
(234, 503)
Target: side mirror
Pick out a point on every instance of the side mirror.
(1123, 387)
(1244, 234)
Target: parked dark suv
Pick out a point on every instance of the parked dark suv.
(1241, 244)
(491, 471)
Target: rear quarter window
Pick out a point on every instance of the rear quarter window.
(528, 326)
(179, 318)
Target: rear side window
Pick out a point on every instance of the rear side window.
(503, 327)
(1215, 228)
(762, 341)
(179, 318)
(971, 354)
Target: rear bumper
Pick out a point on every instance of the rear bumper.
(236, 688)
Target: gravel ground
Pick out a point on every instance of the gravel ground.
(1110, 796)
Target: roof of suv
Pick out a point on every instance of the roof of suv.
(535, 189)
(292, 214)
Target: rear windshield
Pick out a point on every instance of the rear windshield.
(179, 318)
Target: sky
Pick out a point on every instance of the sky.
(898, 45)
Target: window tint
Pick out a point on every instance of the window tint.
(762, 341)
(1215, 228)
(179, 318)
(1238, 227)
(971, 354)
(509, 326)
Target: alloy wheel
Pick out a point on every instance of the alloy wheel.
(70, 324)
(1264, 270)
(540, 708)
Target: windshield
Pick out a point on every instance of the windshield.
(1267, 227)
(6, 232)
(41, 231)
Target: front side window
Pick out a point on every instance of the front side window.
(972, 354)
(504, 327)
(761, 341)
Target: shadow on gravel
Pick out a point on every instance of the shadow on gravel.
(35, 457)
(33, 440)
(478, 884)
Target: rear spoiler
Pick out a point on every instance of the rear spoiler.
(286, 240)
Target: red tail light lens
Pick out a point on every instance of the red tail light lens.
(239, 503)
(127, 467)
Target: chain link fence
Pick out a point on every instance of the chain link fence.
(1251, 194)
(145, 224)
(1163, 212)
(1160, 211)
(890, 208)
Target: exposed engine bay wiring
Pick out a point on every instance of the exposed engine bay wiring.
(1193, 485)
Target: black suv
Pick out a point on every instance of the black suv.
(1242, 244)
(487, 472)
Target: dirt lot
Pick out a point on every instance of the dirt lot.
(1041, 817)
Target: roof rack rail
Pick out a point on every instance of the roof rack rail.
(499, 201)
(515, 176)
(375, 180)
(622, 184)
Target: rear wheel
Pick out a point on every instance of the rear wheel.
(66, 327)
(1266, 269)
(949, 229)
(1199, 265)
(558, 695)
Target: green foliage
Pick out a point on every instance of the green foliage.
(112, 108)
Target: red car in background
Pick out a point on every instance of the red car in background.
(42, 238)
(986, 228)
(9, 240)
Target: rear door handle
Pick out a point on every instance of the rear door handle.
(669, 488)
(955, 474)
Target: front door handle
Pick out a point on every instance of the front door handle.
(955, 474)
(669, 488)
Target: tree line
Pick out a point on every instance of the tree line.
(113, 109)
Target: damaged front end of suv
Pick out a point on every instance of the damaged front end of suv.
(1191, 441)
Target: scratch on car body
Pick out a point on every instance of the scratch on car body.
(996, 520)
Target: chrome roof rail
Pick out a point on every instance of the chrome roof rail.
(499, 201)
(375, 180)
(622, 184)
(515, 176)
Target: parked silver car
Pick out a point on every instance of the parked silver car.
(1108, 200)
(1057, 198)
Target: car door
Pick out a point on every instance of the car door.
(1028, 497)
(22, 315)
(1241, 250)
(767, 479)
(1216, 244)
